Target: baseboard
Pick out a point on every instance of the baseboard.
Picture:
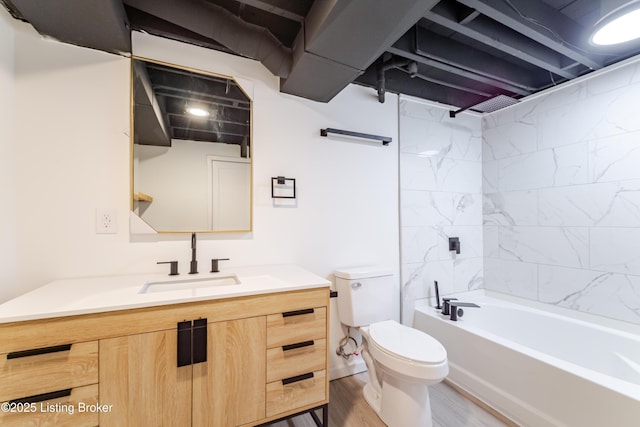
(346, 370)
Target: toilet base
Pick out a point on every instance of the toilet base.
(402, 403)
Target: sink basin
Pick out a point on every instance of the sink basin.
(189, 284)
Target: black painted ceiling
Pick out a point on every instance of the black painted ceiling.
(455, 52)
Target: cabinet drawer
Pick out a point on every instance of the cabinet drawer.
(282, 397)
(284, 362)
(296, 326)
(73, 410)
(34, 372)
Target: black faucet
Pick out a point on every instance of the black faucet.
(193, 269)
(458, 312)
(445, 305)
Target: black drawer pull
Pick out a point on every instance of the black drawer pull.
(199, 341)
(297, 345)
(297, 378)
(42, 397)
(297, 312)
(184, 343)
(37, 351)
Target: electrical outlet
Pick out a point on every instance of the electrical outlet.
(106, 221)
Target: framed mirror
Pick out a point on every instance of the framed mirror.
(191, 149)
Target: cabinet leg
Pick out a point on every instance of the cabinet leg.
(325, 416)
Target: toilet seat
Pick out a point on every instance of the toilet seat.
(407, 351)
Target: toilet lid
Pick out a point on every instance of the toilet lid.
(408, 343)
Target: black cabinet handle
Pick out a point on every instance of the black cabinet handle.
(297, 312)
(37, 351)
(199, 341)
(297, 378)
(184, 343)
(297, 345)
(42, 397)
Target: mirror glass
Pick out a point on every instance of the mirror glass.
(191, 149)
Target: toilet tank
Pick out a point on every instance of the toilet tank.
(365, 295)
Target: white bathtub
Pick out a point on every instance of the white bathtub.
(537, 367)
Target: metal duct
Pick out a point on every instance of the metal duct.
(342, 38)
(217, 23)
(99, 25)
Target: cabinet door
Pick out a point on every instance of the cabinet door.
(139, 377)
(229, 388)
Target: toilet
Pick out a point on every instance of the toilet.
(402, 361)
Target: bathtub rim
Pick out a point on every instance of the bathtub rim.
(614, 384)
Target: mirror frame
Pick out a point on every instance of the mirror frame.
(132, 200)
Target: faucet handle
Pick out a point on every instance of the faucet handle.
(174, 267)
(214, 264)
(445, 305)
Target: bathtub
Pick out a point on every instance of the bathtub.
(537, 367)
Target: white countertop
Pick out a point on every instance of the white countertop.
(69, 297)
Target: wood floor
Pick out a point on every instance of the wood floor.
(349, 409)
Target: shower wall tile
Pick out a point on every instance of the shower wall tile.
(467, 209)
(615, 249)
(546, 168)
(491, 241)
(468, 274)
(565, 246)
(595, 292)
(615, 158)
(613, 204)
(511, 277)
(418, 281)
(426, 208)
(440, 174)
(562, 222)
(512, 139)
(490, 176)
(511, 208)
(440, 196)
(420, 244)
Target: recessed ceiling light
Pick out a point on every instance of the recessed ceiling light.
(618, 26)
(197, 111)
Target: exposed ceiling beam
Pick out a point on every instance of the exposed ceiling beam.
(497, 38)
(404, 48)
(459, 55)
(525, 16)
(263, 5)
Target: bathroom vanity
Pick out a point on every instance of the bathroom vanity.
(239, 354)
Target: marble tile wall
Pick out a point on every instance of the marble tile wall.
(561, 196)
(440, 197)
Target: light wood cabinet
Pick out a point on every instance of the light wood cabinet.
(266, 358)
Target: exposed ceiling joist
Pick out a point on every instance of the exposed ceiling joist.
(498, 38)
(449, 51)
(539, 22)
(403, 48)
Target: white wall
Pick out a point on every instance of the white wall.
(72, 156)
(441, 197)
(8, 238)
(562, 196)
